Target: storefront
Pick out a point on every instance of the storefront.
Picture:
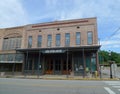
(60, 61)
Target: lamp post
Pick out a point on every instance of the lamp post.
(110, 62)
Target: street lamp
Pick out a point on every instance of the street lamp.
(110, 62)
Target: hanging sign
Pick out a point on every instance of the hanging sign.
(54, 51)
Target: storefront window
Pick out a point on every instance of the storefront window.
(11, 58)
(19, 58)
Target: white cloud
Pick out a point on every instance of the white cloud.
(107, 12)
(12, 13)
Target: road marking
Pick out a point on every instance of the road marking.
(116, 86)
(109, 90)
(112, 82)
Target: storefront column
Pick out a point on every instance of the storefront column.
(53, 66)
(39, 65)
(72, 64)
(97, 62)
(61, 61)
(13, 70)
(43, 65)
(33, 60)
(84, 72)
(26, 64)
(23, 64)
(67, 63)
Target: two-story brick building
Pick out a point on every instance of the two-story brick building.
(58, 47)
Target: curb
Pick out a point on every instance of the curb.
(58, 78)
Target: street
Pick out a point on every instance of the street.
(38, 86)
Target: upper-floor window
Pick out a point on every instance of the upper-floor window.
(78, 38)
(39, 41)
(67, 39)
(49, 40)
(29, 41)
(11, 43)
(89, 37)
(57, 39)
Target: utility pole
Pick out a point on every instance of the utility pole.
(110, 62)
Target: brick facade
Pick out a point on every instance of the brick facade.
(58, 27)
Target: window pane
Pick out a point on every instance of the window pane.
(18, 43)
(90, 37)
(78, 38)
(30, 42)
(10, 43)
(5, 44)
(67, 39)
(11, 57)
(49, 40)
(19, 57)
(58, 40)
(39, 40)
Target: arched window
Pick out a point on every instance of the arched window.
(12, 41)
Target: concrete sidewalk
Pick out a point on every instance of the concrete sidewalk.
(56, 77)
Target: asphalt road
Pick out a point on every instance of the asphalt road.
(37, 86)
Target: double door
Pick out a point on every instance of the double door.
(53, 66)
(57, 66)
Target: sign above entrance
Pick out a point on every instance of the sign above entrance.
(54, 51)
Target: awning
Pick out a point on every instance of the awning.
(60, 49)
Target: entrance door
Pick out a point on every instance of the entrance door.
(58, 66)
(66, 68)
(49, 66)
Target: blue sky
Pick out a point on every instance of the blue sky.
(21, 12)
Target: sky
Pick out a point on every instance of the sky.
(21, 12)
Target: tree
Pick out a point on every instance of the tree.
(104, 57)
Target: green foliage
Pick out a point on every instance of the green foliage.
(105, 56)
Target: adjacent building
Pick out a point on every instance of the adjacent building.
(59, 47)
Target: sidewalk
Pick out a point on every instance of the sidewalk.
(56, 77)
